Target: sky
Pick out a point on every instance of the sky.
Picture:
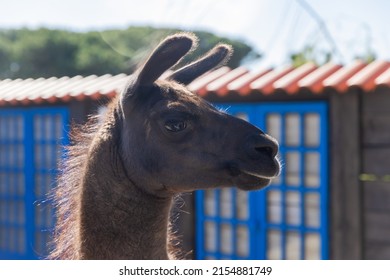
(275, 28)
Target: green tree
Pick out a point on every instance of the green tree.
(311, 53)
(44, 53)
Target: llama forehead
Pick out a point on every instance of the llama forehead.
(174, 89)
(177, 96)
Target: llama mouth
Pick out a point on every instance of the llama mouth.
(235, 170)
(249, 180)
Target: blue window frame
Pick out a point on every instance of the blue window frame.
(31, 142)
(288, 220)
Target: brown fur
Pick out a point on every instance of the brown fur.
(121, 175)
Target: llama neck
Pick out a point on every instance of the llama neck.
(118, 220)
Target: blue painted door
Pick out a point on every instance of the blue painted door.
(288, 220)
(31, 142)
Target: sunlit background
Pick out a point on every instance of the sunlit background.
(314, 74)
(276, 29)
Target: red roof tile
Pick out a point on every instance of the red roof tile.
(265, 84)
(242, 84)
(200, 84)
(384, 78)
(289, 82)
(220, 85)
(338, 80)
(221, 81)
(366, 77)
(314, 81)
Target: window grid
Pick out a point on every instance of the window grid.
(293, 238)
(234, 222)
(22, 233)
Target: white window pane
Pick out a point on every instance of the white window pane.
(21, 241)
(19, 128)
(293, 213)
(38, 156)
(210, 236)
(11, 127)
(49, 183)
(3, 132)
(226, 239)
(293, 245)
(312, 246)
(292, 130)
(20, 156)
(274, 126)
(312, 130)
(312, 210)
(226, 204)
(2, 154)
(48, 127)
(11, 211)
(102, 110)
(293, 168)
(242, 207)
(37, 128)
(209, 203)
(3, 187)
(277, 180)
(38, 215)
(11, 182)
(242, 241)
(20, 184)
(12, 156)
(3, 240)
(274, 245)
(242, 115)
(274, 204)
(58, 127)
(3, 210)
(312, 169)
(48, 156)
(12, 239)
(21, 212)
(38, 184)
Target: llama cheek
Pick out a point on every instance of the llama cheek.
(151, 165)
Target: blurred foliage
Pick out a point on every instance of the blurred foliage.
(44, 52)
(312, 53)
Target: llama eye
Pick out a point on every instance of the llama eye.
(175, 125)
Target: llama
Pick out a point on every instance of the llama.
(157, 140)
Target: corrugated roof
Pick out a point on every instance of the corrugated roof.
(220, 82)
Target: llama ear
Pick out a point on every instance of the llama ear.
(167, 54)
(219, 55)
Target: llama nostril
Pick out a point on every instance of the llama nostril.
(267, 150)
(260, 145)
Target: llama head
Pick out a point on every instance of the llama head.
(173, 141)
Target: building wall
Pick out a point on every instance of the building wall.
(359, 161)
(375, 126)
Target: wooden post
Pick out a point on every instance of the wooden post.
(376, 166)
(345, 189)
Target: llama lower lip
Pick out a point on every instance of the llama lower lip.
(260, 176)
(235, 169)
(251, 183)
